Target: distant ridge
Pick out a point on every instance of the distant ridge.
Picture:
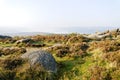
(79, 31)
(26, 34)
(4, 37)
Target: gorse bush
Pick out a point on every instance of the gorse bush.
(113, 57)
(29, 74)
(11, 64)
(75, 49)
(61, 52)
(7, 75)
(78, 49)
(77, 46)
(99, 73)
(116, 74)
(105, 46)
(77, 39)
(16, 69)
(11, 50)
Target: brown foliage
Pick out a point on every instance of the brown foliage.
(11, 50)
(99, 73)
(12, 63)
(105, 46)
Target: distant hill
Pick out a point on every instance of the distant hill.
(4, 37)
(27, 33)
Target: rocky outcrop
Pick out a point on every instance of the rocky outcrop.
(105, 34)
(24, 41)
(97, 36)
(41, 58)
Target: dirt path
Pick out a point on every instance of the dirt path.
(32, 49)
(42, 48)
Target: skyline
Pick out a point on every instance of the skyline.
(58, 16)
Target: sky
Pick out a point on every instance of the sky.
(58, 15)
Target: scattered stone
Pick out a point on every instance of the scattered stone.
(101, 35)
(24, 41)
(97, 36)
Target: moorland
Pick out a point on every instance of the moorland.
(78, 56)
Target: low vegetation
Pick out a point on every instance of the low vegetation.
(77, 57)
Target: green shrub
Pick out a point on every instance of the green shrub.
(116, 74)
(7, 75)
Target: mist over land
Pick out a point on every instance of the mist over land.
(64, 30)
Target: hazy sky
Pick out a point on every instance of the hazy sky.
(58, 15)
